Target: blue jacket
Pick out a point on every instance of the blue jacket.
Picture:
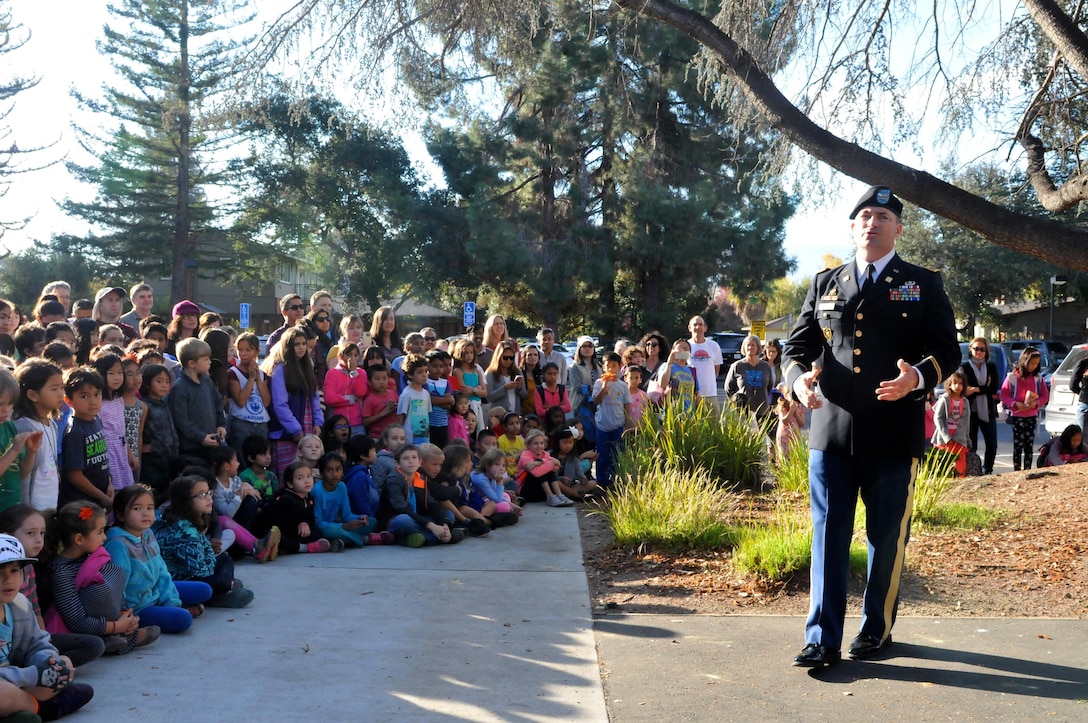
(362, 492)
(147, 581)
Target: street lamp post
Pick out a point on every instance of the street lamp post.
(1054, 281)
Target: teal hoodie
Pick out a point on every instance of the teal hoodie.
(147, 581)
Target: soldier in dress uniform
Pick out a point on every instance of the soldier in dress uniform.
(874, 336)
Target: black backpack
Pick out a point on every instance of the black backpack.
(1044, 453)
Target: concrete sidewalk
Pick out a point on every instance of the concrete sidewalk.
(726, 668)
(491, 629)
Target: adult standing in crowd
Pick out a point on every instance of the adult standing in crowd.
(184, 324)
(292, 309)
(877, 333)
(494, 332)
(983, 384)
(142, 297)
(752, 377)
(60, 289)
(383, 330)
(108, 303)
(706, 357)
(548, 352)
(322, 301)
(656, 347)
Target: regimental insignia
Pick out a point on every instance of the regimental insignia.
(908, 291)
(833, 295)
(883, 196)
(827, 333)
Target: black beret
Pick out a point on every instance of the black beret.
(879, 196)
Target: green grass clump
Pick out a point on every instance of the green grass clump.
(778, 548)
(791, 469)
(935, 474)
(963, 516)
(671, 508)
(728, 446)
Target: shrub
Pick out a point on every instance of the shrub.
(669, 507)
(778, 548)
(728, 446)
(934, 479)
(791, 469)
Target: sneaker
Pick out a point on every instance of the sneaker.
(478, 528)
(321, 545)
(565, 501)
(416, 539)
(265, 547)
(336, 545)
(456, 535)
(195, 610)
(380, 538)
(149, 635)
(66, 702)
(115, 644)
(235, 599)
(504, 519)
(554, 501)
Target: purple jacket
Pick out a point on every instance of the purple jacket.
(288, 408)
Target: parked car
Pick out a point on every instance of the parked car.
(730, 343)
(1061, 410)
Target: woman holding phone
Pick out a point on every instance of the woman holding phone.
(505, 385)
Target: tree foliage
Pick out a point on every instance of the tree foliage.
(23, 275)
(327, 188)
(152, 213)
(824, 75)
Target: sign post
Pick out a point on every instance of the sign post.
(759, 328)
(469, 314)
(243, 316)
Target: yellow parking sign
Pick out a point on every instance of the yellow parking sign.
(759, 328)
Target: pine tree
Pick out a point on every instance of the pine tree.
(153, 180)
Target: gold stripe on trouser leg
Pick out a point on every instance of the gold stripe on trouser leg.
(900, 552)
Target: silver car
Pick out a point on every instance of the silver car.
(1061, 410)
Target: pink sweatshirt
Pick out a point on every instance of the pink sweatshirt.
(340, 386)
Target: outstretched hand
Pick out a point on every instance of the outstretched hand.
(804, 389)
(895, 389)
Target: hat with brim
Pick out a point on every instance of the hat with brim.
(881, 197)
(11, 550)
(103, 293)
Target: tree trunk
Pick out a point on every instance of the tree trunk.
(183, 283)
(1057, 243)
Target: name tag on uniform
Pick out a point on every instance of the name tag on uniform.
(826, 306)
(909, 291)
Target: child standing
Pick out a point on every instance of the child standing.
(195, 403)
(458, 425)
(160, 436)
(952, 419)
(292, 511)
(1023, 394)
(333, 510)
(346, 387)
(85, 461)
(249, 395)
(296, 405)
(28, 526)
(150, 593)
(613, 402)
(237, 503)
(640, 400)
(35, 680)
(791, 418)
(87, 589)
(112, 416)
(538, 477)
(258, 455)
(36, 414)
(441, 388)
(186, 548)
(551, 393)
(135, 414)
(380, 405)
(414, 406)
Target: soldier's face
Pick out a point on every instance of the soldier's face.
(875, 230)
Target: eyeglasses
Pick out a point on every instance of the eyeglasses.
(652, 343)
(322, 319)
(202, 495)
(341, 426)
(508, 358)
(978, 348)
(294, 307)
(430, 338)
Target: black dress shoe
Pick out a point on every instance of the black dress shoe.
(817, 656)
(866, 646)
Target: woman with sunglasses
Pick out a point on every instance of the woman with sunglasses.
(656, 348)
(1024, 393)
(505, 385)
(320, 321)
(983, 383)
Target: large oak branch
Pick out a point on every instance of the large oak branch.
(1057, 243)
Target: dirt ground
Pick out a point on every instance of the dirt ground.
(1032, 564)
